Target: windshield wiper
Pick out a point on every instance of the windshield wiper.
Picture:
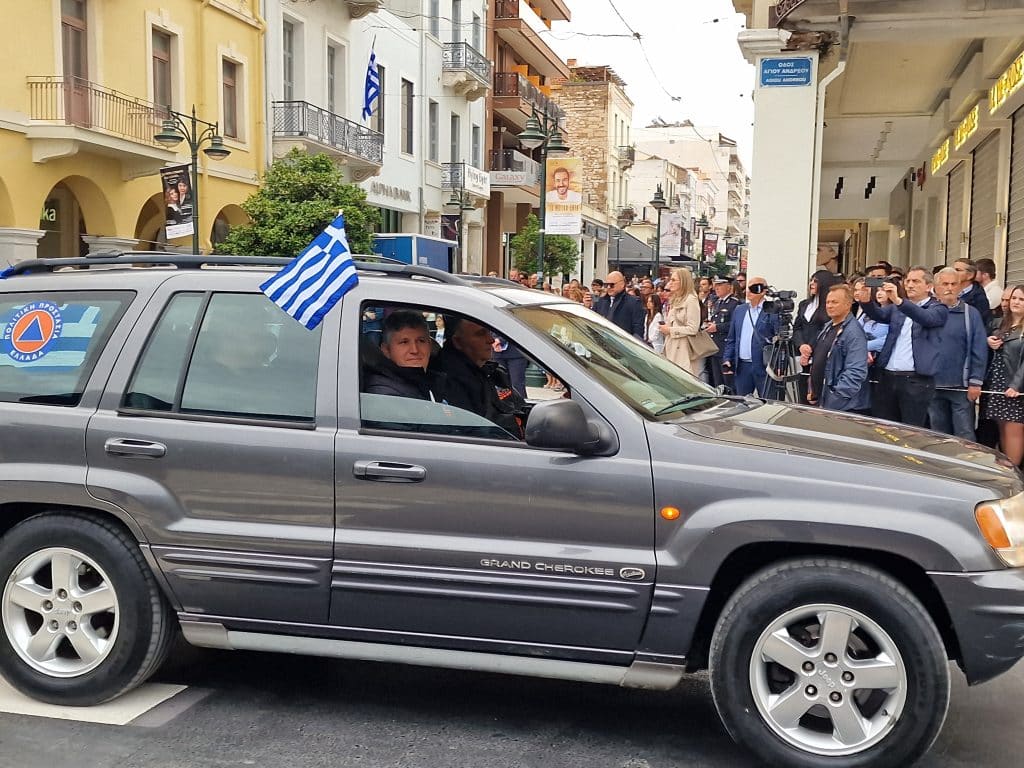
(692, 397)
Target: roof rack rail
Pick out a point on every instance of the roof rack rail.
(372, 263)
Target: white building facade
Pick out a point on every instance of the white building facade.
(419, 156)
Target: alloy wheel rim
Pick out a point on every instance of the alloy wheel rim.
(60, 612)
(828, 680)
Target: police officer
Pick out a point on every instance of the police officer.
(717, 326)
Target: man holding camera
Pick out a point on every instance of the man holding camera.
(909, 359)
(750, 332)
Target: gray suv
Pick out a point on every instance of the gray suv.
(177, 454)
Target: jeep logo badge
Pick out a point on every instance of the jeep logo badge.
(632, 574)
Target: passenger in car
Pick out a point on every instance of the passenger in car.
(474, 381)
(401, 370)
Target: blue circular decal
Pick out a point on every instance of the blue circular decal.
(32, 331)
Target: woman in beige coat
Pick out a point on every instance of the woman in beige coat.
(682, 321)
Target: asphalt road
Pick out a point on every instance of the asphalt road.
(246, 709)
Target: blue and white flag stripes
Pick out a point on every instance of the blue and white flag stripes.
(371, 91)
(313, 282)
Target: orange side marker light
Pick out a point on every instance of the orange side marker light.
(670, 513)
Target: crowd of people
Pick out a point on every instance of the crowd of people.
(938, 347)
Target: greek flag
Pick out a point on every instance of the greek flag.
(313, 282)
(371, 91)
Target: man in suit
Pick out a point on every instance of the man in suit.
(751, 330)
(910, 357)
(972, 293)
(620, 308)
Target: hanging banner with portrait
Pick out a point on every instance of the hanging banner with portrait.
(710, 246)
(671, 235)
(178, 201)
(563, 196)
(732, 253)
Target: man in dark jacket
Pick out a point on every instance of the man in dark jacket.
(401, 369)
(620, 308)
(971, 292)
(474, 382)
(908, 362)
(962, 363)
(719, 320)
(751, 331)
(838, 358)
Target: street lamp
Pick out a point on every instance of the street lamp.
(178, 127)
(543, 133)
(658, 202)
(702, 225)
(461, 201)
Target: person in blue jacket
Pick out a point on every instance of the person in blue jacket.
(750, 332)
(963, 361)
(839, 358)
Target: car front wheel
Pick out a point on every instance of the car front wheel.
(829, 664)
(82, 617)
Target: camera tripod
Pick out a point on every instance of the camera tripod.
(782, 367)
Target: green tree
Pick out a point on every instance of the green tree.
(300, 195)
(561, 253)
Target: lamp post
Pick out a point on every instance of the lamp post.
(658, 202)
(177, 127)
(702, 225)
(460, 200)
(617, 237)
(543, 133)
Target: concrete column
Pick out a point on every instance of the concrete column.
(99, 244)
(18, 245)
(783, 168)
(494, 232)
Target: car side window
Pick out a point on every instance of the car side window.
(412, 383)
(242, 358)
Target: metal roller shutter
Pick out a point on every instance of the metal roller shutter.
(1015, 223)
(983, 198)
(955, 213)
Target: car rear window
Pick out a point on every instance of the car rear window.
(49, 342)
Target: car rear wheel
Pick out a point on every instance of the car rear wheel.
(82, 617)
(828, 663)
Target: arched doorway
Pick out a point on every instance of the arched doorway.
(227, 218)
(74, 206)
(149, 227)
(6, 207)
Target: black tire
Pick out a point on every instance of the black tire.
(145, 624)
(786, 589)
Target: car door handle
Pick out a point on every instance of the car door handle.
(126, 446)
(389, 471)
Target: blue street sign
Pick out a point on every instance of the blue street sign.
(777, 73)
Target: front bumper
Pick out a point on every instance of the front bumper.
(987, 610)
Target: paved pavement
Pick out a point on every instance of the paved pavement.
(271, 711)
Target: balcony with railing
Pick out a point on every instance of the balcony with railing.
(359, 8)
(299, 123)
(466, 70)
(518, 25)
(516, 98)
(627, 157)
(511, 168)
(70, 115)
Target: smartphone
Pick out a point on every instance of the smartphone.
(874, 282)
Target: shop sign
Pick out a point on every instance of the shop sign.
(477, 182)
(967, 128)
(513, 179)
(780, 73)
(386, 190)
(1007, 85)
(48, 216)
(940, 157)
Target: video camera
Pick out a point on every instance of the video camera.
(779, 302)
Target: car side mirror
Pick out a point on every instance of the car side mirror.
(561, 425)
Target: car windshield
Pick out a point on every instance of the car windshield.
(649, 383)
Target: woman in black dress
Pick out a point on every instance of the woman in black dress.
(1006, 374)
(810, 317)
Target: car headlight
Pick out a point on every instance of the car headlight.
(1002, 524)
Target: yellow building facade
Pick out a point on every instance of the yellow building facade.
(81, 99)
